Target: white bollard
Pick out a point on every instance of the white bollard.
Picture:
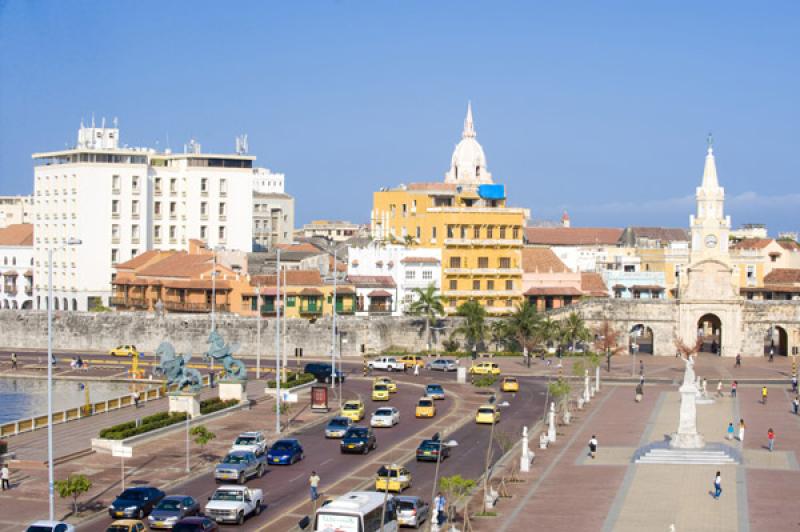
(551, 423)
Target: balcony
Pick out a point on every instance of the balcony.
(483, 271)
(182, 306)
(311, 311)
(483, 242)
(379, 310)
(482, 293)
(10, 290)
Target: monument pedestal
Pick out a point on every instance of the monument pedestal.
(233, 389)
(184, 402)
(687, 436)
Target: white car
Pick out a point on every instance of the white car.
(387, 416)
(231, 504)
(387, 363)
(254, 442)
(50, 526)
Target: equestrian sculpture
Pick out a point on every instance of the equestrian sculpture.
(176, 369)
(222, 352)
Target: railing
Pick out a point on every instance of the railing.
(313, 312)
(195, 307)
(379, 310)
(118, 301)
(482, 242)
(483, 271)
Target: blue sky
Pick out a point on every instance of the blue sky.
(599, 108)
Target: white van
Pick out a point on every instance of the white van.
(357, 511)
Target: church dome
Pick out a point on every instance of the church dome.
(468, 164)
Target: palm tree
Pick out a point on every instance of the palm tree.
(474, 326)
(548, 331)
(428, 304)
(500, 333)
(574, 329)
(523, 324)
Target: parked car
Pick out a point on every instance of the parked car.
(434, 391)
(413, 360)
(380, 392)
(124, 351)
(392, 477)
(285, 452)
(135, 502)
(358, 440)
(386, 363)
(232, 504)
(354, 409)
(50, 526)
(425, 407)
(195, 524)
(510, 384)
(323, 372)
(411, 511)
(388, 382)
(487, 414)
(126, 525)
(442, 364)
(240, 466)
(484, 368)
(385, 417)
(255, 442)
(428, 451)
(172, 509)
(337, 427)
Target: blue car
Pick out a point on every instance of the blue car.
(434, 391)
(285, 452)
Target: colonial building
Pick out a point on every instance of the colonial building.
(16, 266)
(333, 230)
(15, 210)
(467, 218)
(581, 249)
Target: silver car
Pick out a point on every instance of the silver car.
(443, 364)
(411, 511)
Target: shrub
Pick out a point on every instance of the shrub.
(73, 486)
(212, 405)
(292, 379)
(157, 421)
(484, 381)
(450, 345)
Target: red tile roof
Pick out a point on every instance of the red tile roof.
(142, 259)
(420, 260)
(379, 293)
(572, 236)
(310, 292)
(372, 281)
(293, 278)
(553, 291)
(752, 243)
(592, 284)
(17, 235)
(179, 264)
(783, 276)
(791, 245)
(542, 260)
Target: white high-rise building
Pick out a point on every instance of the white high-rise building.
(121, 201)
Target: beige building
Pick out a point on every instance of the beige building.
(15, 210)
(335, 230)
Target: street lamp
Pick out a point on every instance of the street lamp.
(504, 404)
(451, 443)
(258, 332)
(214, 294)
(50, 473)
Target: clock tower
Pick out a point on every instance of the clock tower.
(709, 227)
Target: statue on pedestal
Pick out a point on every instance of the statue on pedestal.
(687, 436)
(222, 352)
(176, 369)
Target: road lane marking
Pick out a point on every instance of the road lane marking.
(327, 461)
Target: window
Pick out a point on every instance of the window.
(751, 271)
(135, 183)
(115, 232)
(476, 232)
(490, 303)
(505, 262)
(203, 232)
(203, 208)
(157, 209)
(157, 232)
(453, 284)
(419, 233)
(115, 207)
(515, 232)
(172, 232)
(223, 187)
(455, 262)
(476, 284)
(173, 185)
(490, 284)
(427, 275)
(463, 231)
(157, 185)
(490, 231)
(509, 303)
(410, 274)
(502, 232)
(134, 252)
(204, 186)
(290, 301)
(509, 284)
(433, 233)
(449, 231)
(115, 183)
(222, 209)
(114, 256)
(173, 209)
(483, 262)
(222, 233)
(134, 233)
(405, 210)
(135, 207)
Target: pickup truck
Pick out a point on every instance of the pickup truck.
(255, 442)
(231, 504)
(239, 466)
(387, 363)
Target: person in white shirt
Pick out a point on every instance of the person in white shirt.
(593, 447)
(5, 475)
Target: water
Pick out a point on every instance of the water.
(24, 398)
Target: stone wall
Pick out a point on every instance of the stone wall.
(187, 332)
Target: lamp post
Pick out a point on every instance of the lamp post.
(258, 332)
(214, 295)
(278, 343)
(451, 443)
(489, 453)
(50, 472)
(333, 331)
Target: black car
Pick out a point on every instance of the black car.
(323, 372)
(429, 450)
(358, 440)
(135, 502)
(171, 509)
(195, 524)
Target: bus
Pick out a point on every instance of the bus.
(357, 511)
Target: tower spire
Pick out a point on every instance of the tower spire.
(710, 170)
(469, 126)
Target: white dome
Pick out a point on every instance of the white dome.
(468, 164)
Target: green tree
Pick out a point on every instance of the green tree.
(429, 305)
(456, 490)
(574, 330)
(548, 332)
(201, 436)
(473, 328)
(500, 335)
(608, 342)
(522, 325)
(73, 486)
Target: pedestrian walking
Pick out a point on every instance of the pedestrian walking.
(439, 504)
(770, 439)
(641, 367)
(13, 361)
(416, 370)
(729, 436)
(593, 447)
(135, 399)
(764, 395)
(734, 385)
(771, 353)
(641, 380)
(738, 361)
(719, 389)
(796, 404)
(741, 430)
(5, 475)
(794, 383)
(313, 483)
(639, 392)
(717, 485)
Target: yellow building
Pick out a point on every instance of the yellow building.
(467, 217)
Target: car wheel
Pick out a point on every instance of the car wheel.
(390, 368)
(257, 511)
(240, 518)
(260, 471)
(366, 449)
(240, 479)
(140, 513)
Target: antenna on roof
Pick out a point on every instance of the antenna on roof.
(241, 144)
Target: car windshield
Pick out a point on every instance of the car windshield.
(118, 528)
(169, 504)
(339, 422)
(383, 412)
(39, 528)
(356, 433)
(228, 495)
(434, 388)
(426, 402)
(405, 505)
(380, 388)
(187, 527)
(486, 410)
(245, 440)
(384, 472)
(282, 446)
(351, 406)
(512, 380)
(427, 445)
(235, 459)
(132, 495)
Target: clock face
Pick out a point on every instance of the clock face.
(711, 241)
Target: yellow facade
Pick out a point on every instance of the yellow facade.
(672, 262)
(481, 240)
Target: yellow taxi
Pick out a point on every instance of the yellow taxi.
(487, 414)
(392, 478)
(510, 384)
(425, 407)
(124, 351)
(126, 525)
(413, 360)
(484, 368)
(390, 384)
(380, 392)
(354, 409)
